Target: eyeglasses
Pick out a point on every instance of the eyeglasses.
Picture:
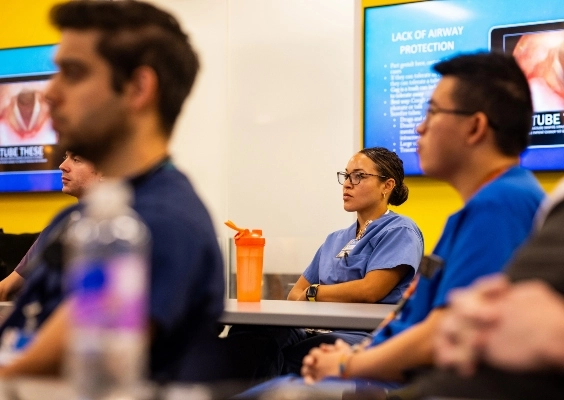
(355, 177)
(433, 110)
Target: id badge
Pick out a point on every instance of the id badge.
(347, 249)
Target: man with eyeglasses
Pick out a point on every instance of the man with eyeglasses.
(476, 126)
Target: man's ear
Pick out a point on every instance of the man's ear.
(479, 129)
(142, 88)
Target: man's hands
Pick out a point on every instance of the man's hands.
(511, 326)
(324, 361)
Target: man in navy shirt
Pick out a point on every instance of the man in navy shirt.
(125, 69)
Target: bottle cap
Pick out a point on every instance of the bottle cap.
(108, 197)
(246, 237)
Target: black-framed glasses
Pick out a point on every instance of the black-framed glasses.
(433, 110)
(355, 177)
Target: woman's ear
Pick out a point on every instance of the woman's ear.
(389, 185)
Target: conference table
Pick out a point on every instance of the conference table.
(305, 314)
(292, 313)
(266, 312)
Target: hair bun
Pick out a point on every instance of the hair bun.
(399, 195)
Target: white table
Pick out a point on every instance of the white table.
(292, 313)
(306, 314)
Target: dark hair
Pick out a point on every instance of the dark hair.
(389, 165)
(494, 84)
(135, 34)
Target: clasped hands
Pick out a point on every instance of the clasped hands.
(512, 326)
(324, 361)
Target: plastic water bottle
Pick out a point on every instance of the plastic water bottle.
(106, 251)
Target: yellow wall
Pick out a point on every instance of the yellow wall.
(25, 23)
(430, 201)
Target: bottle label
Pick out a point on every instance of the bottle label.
(12, 343)
(110, 292)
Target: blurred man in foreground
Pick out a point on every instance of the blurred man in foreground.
(503, 337)
(125, 69)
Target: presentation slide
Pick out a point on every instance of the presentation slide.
(402, 42)
(29, 154)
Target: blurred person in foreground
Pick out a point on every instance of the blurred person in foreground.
(503, 338)
(125, 69)
(476, 126)
(77, 176)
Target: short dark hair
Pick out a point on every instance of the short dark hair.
(135, 34)
(389, 165)
(494, 84)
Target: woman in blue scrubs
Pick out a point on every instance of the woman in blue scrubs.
(371, 261)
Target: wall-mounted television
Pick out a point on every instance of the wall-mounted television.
(402, 41)
(29, 154)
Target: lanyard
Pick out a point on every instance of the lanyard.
(427, 267)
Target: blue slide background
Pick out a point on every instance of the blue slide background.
(477, 17)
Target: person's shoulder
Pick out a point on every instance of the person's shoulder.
(343, 232)
(166, 186)
(400, 220)
(168, 198)
(165, 180)
(393, 220)
(517, 186)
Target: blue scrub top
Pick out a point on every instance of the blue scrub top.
(477, 240)
(389, 241)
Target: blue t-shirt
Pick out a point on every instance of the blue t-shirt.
(389, 241)
(477, 240)
(187, 284)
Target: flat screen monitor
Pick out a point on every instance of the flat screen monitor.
(401, 42)
(29, 154)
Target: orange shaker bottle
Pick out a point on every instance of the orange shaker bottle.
(250, 252)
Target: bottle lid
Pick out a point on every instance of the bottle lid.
(108, 197)
(246, 237)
